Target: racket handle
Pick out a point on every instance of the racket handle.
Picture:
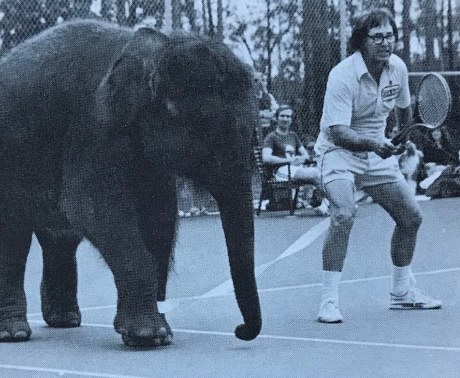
(399, 137)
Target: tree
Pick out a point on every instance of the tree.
(189, 10)
(220, 20)
(450, 38)
(318, 61)
(107, 9)
(428, 24)
(389, 4)
(406, 32)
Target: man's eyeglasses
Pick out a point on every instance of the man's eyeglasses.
(378, 38)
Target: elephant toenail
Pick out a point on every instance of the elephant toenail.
(20, 335)
(4, 335)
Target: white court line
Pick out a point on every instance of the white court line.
(357, 280)
(226, 288)
(305, 240)
(174, 302)
(303, 339)
(62, 372)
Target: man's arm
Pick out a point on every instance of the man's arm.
(303, 154)
(349, 139)
(269, 158)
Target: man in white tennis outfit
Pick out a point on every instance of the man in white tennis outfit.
(355, 154)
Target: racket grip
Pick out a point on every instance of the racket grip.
(398, 138)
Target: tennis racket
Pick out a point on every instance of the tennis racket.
(434, 102)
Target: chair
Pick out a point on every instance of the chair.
(270, 183)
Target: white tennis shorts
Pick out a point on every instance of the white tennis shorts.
(362, 168)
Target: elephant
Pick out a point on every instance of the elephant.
(96, 123)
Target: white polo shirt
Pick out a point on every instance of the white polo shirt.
(354, 99)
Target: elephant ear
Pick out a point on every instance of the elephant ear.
(129, 86)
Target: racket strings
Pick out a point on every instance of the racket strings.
(434, 100)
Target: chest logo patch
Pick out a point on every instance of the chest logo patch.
(390, 92)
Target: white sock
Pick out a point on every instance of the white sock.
(401, 280)
(331, 282)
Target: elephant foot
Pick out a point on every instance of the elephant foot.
(60, 312)
(141, 331)
(59, 318)
(14, 330)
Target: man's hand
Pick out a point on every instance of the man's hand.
(298, 160)
(384, 148)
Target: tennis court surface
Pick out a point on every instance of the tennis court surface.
(371, 342)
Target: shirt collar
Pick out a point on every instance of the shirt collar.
(360, 65)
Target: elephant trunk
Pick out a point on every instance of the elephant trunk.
(238, 224)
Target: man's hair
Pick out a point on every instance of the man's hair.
(280, 109)
(368, 21)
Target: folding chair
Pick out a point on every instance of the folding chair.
(270, 184)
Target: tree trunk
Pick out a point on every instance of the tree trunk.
(176, 14)
(220, 24)
(450, 38)
(211, 31)
(269, 47)
(317, 62)
(189, 10)
(205, 19)
(406, 30)
(430, 33)
(106, 7)
(121, 17)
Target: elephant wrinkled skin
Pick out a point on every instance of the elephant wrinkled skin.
(96, 121)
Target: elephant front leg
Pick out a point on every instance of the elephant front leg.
(157, 209)
(112, 226)
(137, 318)
(15, 239)
(58, 289)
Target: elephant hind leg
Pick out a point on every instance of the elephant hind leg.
(15, 240)
(58, 289)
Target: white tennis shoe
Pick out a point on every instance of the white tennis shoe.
(414, 299)
(329, 311)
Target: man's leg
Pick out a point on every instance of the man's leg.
(398, 200)
(342, 203)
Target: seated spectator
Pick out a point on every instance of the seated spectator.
(284, 146)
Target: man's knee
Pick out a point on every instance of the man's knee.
(343, 217)
(412, 220)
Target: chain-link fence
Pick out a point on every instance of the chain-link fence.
(294, 43)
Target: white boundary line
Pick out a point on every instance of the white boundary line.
(169, 304)
(301, 243)
(226, 288)
(357, 280)
(62, 372)
(293, 338)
